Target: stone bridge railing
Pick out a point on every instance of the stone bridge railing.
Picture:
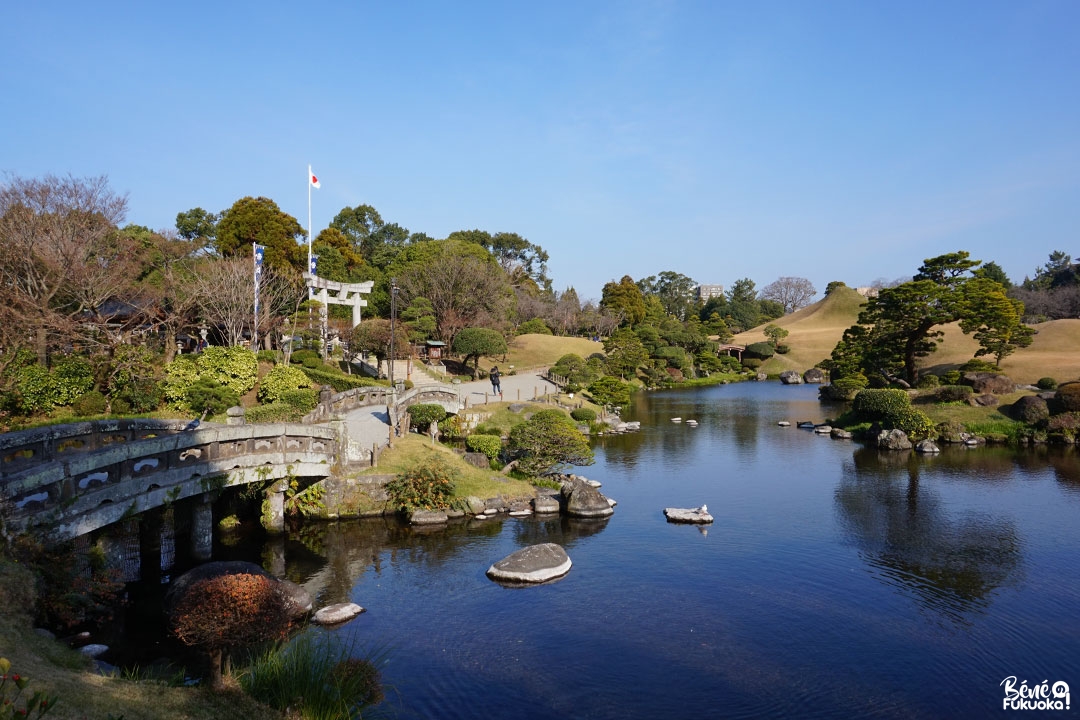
(342, 402)
(64, 484)
(445, 395)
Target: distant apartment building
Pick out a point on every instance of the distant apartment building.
(867, 292)
(704, 292)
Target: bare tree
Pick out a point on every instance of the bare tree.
(462, 289)
(566, 317)
(60, 254)
(791, 292)
(225, 295)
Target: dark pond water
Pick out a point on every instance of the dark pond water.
(836, 581)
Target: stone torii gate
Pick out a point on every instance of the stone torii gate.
(344, 293)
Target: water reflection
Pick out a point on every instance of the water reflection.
(329, 558)
(952, 563)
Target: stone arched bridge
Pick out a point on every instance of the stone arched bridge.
(64, 481)
(68, 480)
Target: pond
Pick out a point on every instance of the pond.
(835, 582)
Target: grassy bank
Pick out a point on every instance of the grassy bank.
(64, 674)
(414, 449)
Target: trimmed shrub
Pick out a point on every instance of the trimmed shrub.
(913, 422)
(1064, 421)
(952, 393)
(300, 356)
(1046, 383)
(783, 349)
(139, 395)
(751, 363)
(490, 445)
(873, 404)
(551, 414)
(610, 391)
(1030, 409)
(423, 487)
(341, 382)
(235, 367)
(180, 374)
(487, 429)
(536, 326)
(212, 396)
(760, 350)
(845, 388)
(268, 356)
(927, 382)
(1067, 397)
(280, 380)
(423, 414)
(91, 403)
(273, 413)
(73, 376)
(303, 399)
(952, 377)
(37, 389)
(585, 415)
(979, 365)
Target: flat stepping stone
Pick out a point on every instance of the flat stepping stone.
(533, 564)
(695, 516)
(428, 517)
(337, 613)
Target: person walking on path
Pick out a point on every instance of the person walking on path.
(494, 376)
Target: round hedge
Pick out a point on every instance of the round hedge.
(490, 445)
(760, 350)
(1068, 397)
(875, 404)
(585, 415)
(1030, 409)
(424, 414)
(1046, 383)
(915, 423)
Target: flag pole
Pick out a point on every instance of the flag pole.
(311, 290)
(255, 285)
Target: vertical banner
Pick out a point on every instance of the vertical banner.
(314, 264)
(258, 251)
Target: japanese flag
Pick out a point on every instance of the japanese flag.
(314, 180)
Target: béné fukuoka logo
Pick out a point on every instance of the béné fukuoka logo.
(1041, 696)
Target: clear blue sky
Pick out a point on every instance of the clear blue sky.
(828, 140)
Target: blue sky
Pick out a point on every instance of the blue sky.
(827, 140)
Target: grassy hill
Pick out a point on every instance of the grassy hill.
(537, 351)
(815, 330)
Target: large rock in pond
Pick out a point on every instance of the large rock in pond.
(791, 377)
(583, 500)
(893, 440)
(533, 564)
(814, 376)
(693, 516)
(985, 382)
